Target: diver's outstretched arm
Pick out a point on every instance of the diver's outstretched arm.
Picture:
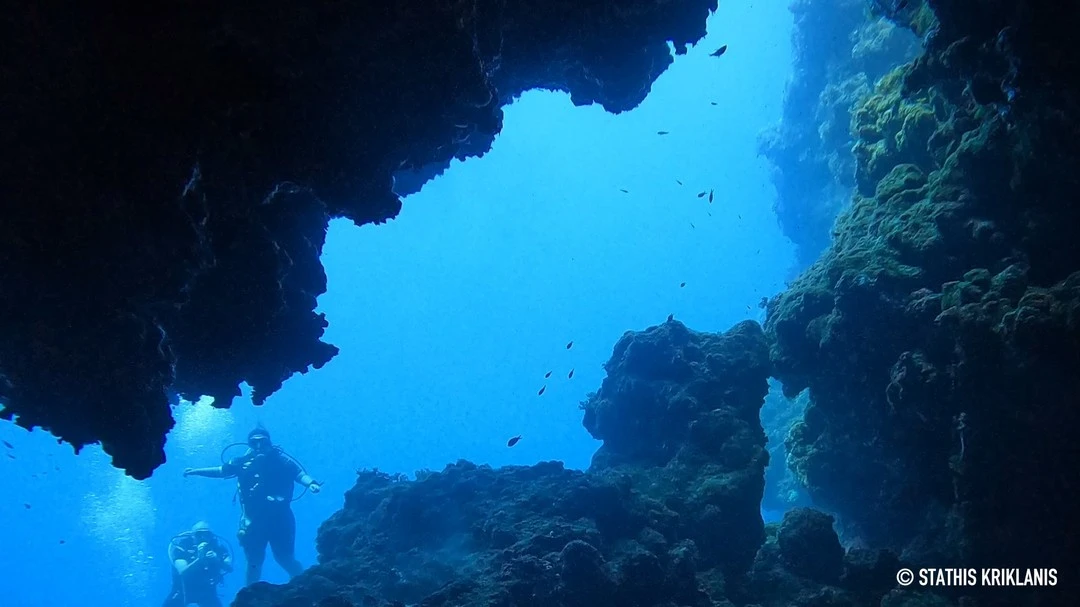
(213, 472)
(305, 479)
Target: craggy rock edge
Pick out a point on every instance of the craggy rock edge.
(172, 169)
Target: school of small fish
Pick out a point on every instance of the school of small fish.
(702, 194)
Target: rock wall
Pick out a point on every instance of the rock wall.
(938, 334)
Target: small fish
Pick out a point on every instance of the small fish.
(11, 456)
(702, 194)
(678, 182)
(569, 345)
(747, 308)
(27, 506)
(547, 375)
(63, 541)
(712, 103)
(718, 52)
(710, 196)
(624, 191)
(8, 445)
(682, 284)
(670, 317)
(740, 215)
(541, 392)
(710, 214)
(513, 441)
(691, 225)
(570, 375)
(661, 132)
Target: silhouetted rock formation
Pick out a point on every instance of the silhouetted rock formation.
(171, 169)
(938, 335)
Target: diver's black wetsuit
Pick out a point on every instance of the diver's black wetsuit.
(265, 483)
(197, 585)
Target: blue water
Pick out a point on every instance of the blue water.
(449, 316)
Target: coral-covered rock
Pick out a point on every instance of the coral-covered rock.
(678, 412)
(809, 545)
(938, 334)
(667, 512)
(869, 574)
(584, 576)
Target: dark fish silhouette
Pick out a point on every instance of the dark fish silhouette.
(569, 345)
(63, 541)
(624, 191)
(712, 103)
(682, 284)
(547, 375)
(678, 182)
(8, 445)
(710, 196)
(27, 506)
(719, 51)
(570, 375)
(541, 392)
(513, 441)
(691, 225)
(670, 317)
(11, 456)
(702, 194)
(661, 132)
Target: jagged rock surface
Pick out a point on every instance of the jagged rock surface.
(172, 168)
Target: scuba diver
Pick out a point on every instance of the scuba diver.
(264, 476)
(200, 559)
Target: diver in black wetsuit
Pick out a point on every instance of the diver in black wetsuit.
(200, 560)
(265, 477)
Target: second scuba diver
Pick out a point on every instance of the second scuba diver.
(200, 559)
(264, 476)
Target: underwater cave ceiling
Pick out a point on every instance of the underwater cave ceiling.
(171, 171)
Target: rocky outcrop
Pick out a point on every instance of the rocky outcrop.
(666, 515)
(172, 168)
(679, 411)
(661, 518)
(937, 335)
